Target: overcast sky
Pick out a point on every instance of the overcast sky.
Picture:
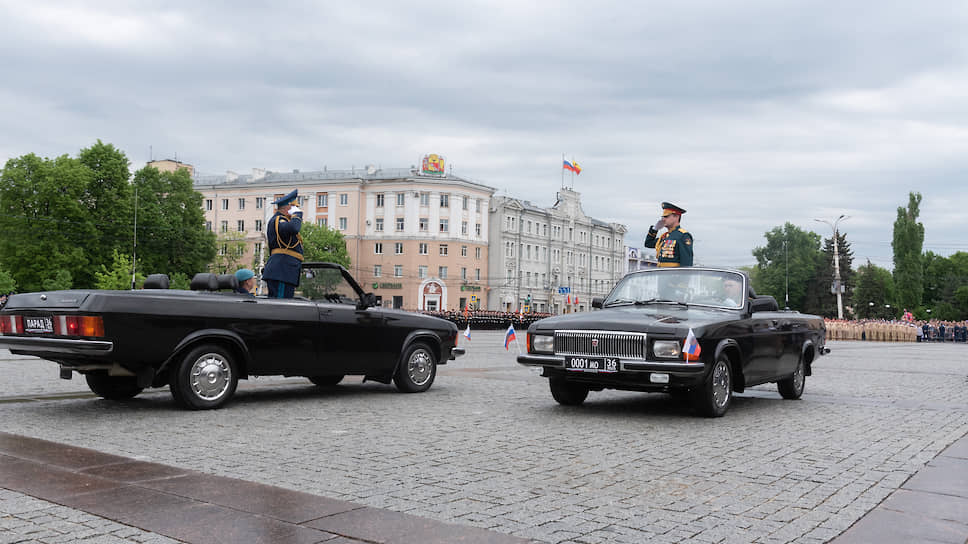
(746, 113)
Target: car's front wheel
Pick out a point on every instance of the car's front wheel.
(791, 388)
(567, 393)
(206, 378)
(417, 369)
(714, 395)
(327, 380)
(113, 387)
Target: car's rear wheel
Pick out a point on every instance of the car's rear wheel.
(567, 393)
(113, 387)
(791, 388)
(206, 378)
(327, 380)
(417, 369)
(713, 397)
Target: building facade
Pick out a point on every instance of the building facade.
(551, 259)
(639, 259)
(171, 165)
(417, 240)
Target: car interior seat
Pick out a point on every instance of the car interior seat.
(228, 281)
(156, 281)
(204, 281)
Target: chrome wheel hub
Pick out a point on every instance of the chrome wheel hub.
(720, 384)
(210, 376)
(419, 367)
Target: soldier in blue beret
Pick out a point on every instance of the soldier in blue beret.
(673, 247)
(283, 268)
(246, 279)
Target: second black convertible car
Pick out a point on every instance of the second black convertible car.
(201, 342)
(641, 341)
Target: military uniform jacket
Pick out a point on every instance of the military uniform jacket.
(285, 248)
(672, 248)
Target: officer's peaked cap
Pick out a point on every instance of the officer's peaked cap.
(669, 208)
(287, 199)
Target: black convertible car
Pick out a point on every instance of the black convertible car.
(201, 342)
(640, 340)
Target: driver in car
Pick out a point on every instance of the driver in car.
(732, 291)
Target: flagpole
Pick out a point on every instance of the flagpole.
(573, 172)
(562, 170)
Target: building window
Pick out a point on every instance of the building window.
(379, 201)
(208, 204)
(378, 248)
(443, 250)
(423, 249)
(425, 199)
(463, 227)
(322, 221)
(477, 253)
(444, 225)
(258, 225)
(463, 251)
(240, 250)
(442, 272)
(344, 199)
(342, 223)
(241, 203)
(463, 273)
(223, 249)
(424, 224)
(225, 226)
(225, 203)
(398, 271)
(477, 229)
(444, 201)
(379, 224)
(478, 205)
(464, 203)
(422, 271)
(401, 198)
(398, 248)
(257, 249)
(322, 201)
(377, 270)
(477, 274)
(260, 202)
(399, 224)
(241, 225)
(208, 226)
(529, 227)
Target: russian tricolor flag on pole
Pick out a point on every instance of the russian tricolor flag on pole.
(509, 337)
(691, 346)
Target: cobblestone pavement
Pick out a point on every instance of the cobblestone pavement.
(487, 446)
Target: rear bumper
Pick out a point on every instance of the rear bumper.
(41, 347)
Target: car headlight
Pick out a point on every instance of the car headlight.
(667, 349)
(542, 343)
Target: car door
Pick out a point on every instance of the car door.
(350, 339)
(768, 347)
(279, 333)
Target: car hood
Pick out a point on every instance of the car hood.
(652, 318)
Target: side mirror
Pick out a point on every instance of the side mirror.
(366, 300)
(597, 302)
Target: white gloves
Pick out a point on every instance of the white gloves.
(294, 209)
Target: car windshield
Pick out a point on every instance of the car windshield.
(326, 285)
(719, 288)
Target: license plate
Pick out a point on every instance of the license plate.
(38, 324)
(591, 364)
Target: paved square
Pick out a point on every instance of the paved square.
(487, 446)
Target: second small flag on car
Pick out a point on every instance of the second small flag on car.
(509, 337)
(467, 332)
(691, 346)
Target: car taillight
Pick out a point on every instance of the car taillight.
(79, 325)
(11, 324)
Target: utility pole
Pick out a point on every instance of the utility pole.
(837, 287)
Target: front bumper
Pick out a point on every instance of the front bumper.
(41, 347)
(632, 366)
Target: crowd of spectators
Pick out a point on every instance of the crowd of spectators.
(488, 320)
(897, 330)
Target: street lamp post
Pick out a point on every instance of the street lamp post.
(837, 286)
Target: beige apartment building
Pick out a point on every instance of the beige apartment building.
(417, 239)
(171, 165)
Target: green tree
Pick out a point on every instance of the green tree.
(171, 224)
(819, 299)
(874, 290)
(321, 243)
(907, 244)
(230, 250)
(109, 200)
(7, 283)
(44, 225)
(118, 276)
(943, 278)
(801, 257)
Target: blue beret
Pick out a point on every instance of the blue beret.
(283, 200)
(243, 274)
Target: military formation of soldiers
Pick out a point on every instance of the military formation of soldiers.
(488, 320)
(896, 331)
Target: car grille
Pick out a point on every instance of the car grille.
(627, 345)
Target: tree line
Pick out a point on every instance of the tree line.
(88, 222)
(800, 263)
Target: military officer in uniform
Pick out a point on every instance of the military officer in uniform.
(673, 247)
(283, 268)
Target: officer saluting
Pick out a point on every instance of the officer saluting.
(673, 247)
(283, 269)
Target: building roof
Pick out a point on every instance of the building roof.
(266, 177)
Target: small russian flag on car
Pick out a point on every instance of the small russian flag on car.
(691, 346)
(509, 337)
